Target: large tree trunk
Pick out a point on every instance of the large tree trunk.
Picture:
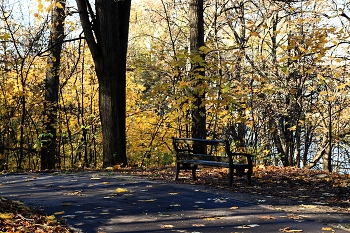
(48, 151)
(108, 44)
(198, 69)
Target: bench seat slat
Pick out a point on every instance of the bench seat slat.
(205, 163)
(202, 157)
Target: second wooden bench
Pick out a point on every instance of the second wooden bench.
(191, 152)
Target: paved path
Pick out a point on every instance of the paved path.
(106, 202)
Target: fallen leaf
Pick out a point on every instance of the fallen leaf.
(121, 190)
(147, 200)
(267, 217)
(6, 216)
(51, 217)
(167, 226)
(234, 208)
(308, 206)
(327, 229)
(214, 218)
(198, 225)
(163, 215)
(58, 213)
(247, 226)
(287, 229)
(82, 212)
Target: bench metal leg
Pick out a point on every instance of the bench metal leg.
(194, 172)
(230, 178)
(177, 171)
(249, 179)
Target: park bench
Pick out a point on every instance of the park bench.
(191, 152)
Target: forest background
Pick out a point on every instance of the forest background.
(276, 83)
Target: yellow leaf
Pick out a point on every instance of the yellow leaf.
(335, 42)
(5, 216)
(234, 208)
(168, 226)
(210, 219)
(214, 218)
(50, 218)
(297, 57)
(59, 5)
(293, 128)
(254, 34)
(58, 213)
(121, 190)
(331, 98)
(6, 36)
(40, 6)
(287, 229)
(327, 229)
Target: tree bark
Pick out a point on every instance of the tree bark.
(48, 151)
(198, 68)
(107, 37)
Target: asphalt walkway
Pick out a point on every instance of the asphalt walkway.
(92, 202)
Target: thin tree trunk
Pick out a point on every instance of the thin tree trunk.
(48, 152)
(327, 158)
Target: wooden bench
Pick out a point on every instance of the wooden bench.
(191, 152)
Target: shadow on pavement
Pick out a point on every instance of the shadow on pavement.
(108, 202)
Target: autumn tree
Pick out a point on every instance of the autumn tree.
(106, 32)
(21, 99)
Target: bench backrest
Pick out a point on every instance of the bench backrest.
(207, 148)
(214, 150)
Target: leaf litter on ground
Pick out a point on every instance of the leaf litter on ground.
(15, 217)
